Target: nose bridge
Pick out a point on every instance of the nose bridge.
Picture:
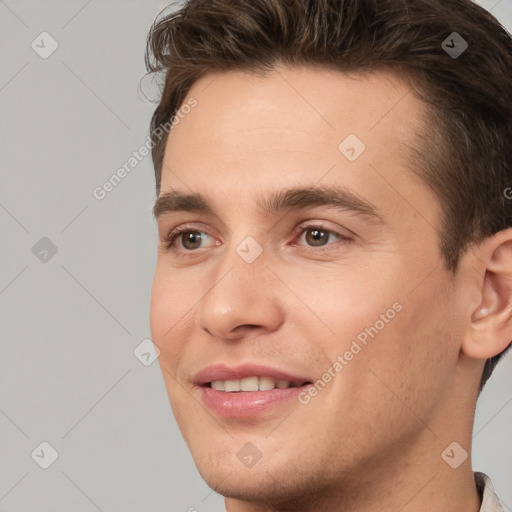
(239, 293)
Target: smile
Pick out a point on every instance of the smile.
(251, 384)
(247, 390)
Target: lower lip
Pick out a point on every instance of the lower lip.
(247, 403)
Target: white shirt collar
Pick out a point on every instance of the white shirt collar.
(490, 502)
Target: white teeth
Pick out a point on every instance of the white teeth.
(266, 383)
(231, 385)
(218, 385)
(250, 384)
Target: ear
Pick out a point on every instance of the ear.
(490, 329)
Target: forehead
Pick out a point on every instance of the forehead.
(300, 125)
(313, 101)
(308, 108)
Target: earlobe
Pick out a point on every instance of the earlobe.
(490, 329)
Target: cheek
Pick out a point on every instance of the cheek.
(160, 309)
(411, 361)
(171, 300)
(172, 294)
(379, 329)
(341, 305)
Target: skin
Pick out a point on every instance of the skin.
(372, 439)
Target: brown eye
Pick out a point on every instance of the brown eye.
(185, 240)
(317, 237)
(191, 239)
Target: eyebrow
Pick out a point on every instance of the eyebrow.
(295, 199)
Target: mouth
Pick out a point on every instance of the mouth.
(252, 384)
(247, 390)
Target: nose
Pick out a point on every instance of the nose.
(241, 299)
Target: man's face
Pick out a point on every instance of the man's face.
(285, 293)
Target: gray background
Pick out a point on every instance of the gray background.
(70, 324)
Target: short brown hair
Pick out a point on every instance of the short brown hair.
(465, 152)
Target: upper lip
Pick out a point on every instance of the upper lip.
(224, 372)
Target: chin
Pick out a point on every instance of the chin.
(261, 488)
(273, 481)
(246, 486)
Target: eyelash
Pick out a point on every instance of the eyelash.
(176, 233)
